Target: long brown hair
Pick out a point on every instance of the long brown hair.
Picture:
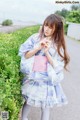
(58, 35)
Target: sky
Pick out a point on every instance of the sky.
(29, 10)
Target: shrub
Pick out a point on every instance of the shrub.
(7, 22)
(10, 76)
(74, 16)
(65, 28)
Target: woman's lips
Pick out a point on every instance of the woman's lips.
(46, 32)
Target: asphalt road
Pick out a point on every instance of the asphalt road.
(12, 28)
(71, 87)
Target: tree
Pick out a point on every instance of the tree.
(7, 22)
(74, 16)
(75, 7)
(63, 12)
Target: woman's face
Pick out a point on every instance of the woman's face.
(48, 31)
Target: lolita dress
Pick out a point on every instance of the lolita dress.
(41, 88)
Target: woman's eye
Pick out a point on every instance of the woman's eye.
(50, 27)
(46, 25)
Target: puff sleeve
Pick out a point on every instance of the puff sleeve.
(55, 72)
(26, 64)
(26, 46)
(58, 63)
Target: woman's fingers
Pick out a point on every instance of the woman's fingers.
(45, 43)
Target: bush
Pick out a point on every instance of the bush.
(74, 16)
(10, 76)
(7, 22)
(65, 28)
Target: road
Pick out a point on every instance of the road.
(12, 28)
(71, 87)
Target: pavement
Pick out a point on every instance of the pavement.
(8, 29)
(12, 28)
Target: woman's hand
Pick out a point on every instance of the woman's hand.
(44, 44)
(47, 46)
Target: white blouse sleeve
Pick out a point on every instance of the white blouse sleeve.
(58, 63)
(26, 64)
(26, 46)
(55, 72)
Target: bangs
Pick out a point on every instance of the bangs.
(49, 23)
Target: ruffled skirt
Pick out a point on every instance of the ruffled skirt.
(42, 92)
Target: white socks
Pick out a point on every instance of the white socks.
(25, 111)
(45, 112)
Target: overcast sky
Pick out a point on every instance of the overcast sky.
(29, 10)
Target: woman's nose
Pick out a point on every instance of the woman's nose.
(47, 27)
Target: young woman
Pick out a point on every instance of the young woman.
(43, 59)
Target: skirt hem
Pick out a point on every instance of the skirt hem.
(37, 104)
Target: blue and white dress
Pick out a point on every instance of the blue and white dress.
(42, 89)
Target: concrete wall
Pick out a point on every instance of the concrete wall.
(74, 31)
